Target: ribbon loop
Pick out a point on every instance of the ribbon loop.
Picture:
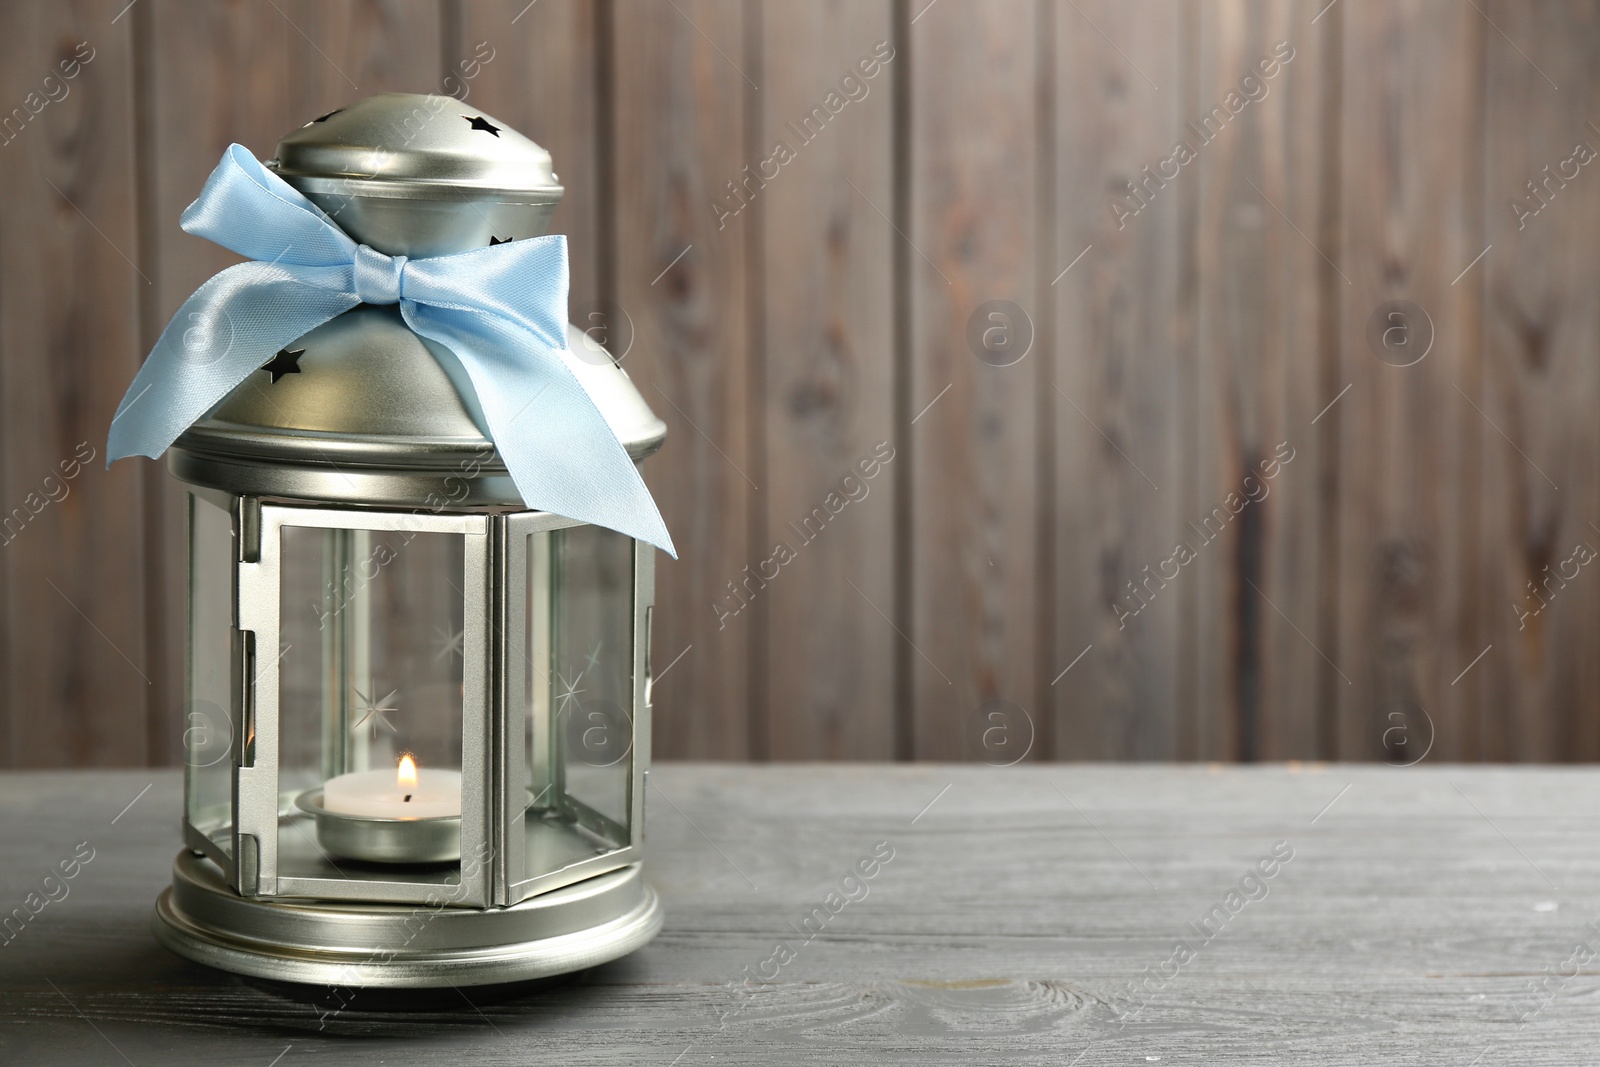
(502, 311)
(380, 279)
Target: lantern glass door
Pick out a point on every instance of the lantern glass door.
(209, 735)
(572, 696)
(380, 703)
(591, 646)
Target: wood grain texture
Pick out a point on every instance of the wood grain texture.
(828, 377)
(541, 80)
(973, 460)
(1020, 524)
(1258, 510)
(212, 76)
(208, 77)
(1007, 928)
(1123, 383)
(77, 689)
(343, 52)
(1410, 615)
(1540, 382)
(680, 91)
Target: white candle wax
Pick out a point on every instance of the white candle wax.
(380, 794)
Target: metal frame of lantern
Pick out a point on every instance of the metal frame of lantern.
(371, 431)
(492, 785)
(260, 793)
(238, 909)
(530, 568)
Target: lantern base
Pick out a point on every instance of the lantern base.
(204, 919)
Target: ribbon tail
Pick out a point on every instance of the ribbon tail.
(230, 326)
(555, 443)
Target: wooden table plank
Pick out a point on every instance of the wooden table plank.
(1541, 380)
(74, 622)
(828, 380)
(342, 53)
(535, 68)
(214, 78)
(681, 87)
(1411, 615)
(1260, 513)
(976, 145)
(247, 74)
(1013, 923)
(1123, 390)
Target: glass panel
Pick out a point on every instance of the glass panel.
(592, 634)
(370, 715)
(580, 693)
(208, 734)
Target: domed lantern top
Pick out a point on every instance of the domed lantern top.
(362, 409)
(421, 175)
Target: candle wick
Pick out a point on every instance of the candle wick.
(408, 796)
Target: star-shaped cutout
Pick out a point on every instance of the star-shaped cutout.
(374, 711)
(449, 643)
(478, 122)
(570, 693)
(593, 658)
(285, 362)
(493, 240)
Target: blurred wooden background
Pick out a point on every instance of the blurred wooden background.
(1375, 602)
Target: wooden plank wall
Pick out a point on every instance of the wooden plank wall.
(1120, 669)
(1197, 509)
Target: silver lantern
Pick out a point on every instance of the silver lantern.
(419, 713)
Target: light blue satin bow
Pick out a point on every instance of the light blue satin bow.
(500, 310)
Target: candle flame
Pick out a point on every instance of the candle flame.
(406, 778)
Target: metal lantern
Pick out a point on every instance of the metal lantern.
(419, 712)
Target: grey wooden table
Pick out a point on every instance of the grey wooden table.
(1070, 915)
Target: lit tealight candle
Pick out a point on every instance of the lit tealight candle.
(408, 793)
